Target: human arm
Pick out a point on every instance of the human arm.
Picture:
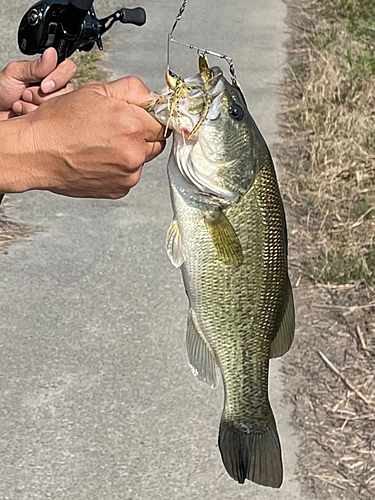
(91, 142)
(16, 95)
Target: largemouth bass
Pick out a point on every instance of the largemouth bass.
(229, 238)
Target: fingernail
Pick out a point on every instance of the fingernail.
(17, 108)
(154, 95)
(27, 96)
(48, 86)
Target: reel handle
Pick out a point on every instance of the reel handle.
(135, 16)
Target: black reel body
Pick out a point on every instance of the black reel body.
(38, 28)
(63, 25)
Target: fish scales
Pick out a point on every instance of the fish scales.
(234, 303)
(229, 238)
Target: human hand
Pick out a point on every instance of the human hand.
(92, 142)
(16, 97)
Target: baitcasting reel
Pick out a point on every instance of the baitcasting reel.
(68, 26)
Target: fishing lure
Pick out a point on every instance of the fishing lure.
(177, 84)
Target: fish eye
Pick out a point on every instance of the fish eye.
(236, 112)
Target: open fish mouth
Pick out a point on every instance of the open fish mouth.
(184, 104)
(199, 92)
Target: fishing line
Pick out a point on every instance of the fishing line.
(170, 35)
(199, 50)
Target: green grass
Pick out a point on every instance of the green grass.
(89, 67)
(340, 269)
(360, 13)
(332, 102)
(362, 65)
(357, 17)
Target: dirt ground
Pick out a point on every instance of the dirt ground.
(330, 368)
(330, 377)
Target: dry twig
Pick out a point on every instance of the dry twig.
(345, 380)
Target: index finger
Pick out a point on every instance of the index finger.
(155, 131)
(59, 77)
(135, 93)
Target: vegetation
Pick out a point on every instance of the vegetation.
(89, 67)
(328, 152)
(333, 112)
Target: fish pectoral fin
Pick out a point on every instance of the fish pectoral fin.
(224, 239)
(174, 246)
(202, 360)
(285, 335)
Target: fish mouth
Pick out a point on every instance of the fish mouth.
(190, 97)
(184, 106)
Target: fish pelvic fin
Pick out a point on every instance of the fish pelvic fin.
(285, 335)
(201, 358)
(174, 246)
(224, 238)
(252, 455)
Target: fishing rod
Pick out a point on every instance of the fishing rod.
(68, 25)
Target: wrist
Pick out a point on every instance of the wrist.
(15, 169)
(23, 165)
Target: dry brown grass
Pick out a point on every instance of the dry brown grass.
(11, 232)
(330, 111)
(328, 152)
(331, 376)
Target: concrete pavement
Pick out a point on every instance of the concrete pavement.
(96, 397)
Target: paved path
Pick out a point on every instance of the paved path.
(96, 398)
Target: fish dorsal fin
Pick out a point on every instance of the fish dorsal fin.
(224, 238)
(174, 245)
(285, 335)
(202, 360)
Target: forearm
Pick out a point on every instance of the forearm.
(22, 166)
(89, 143)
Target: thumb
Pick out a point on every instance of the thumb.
(35, 71)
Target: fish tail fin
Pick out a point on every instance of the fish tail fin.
(254, 455)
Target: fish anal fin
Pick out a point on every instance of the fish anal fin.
(174, 245)
(224, 238)
(201, 359)
(252, 455)
(285, 335)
